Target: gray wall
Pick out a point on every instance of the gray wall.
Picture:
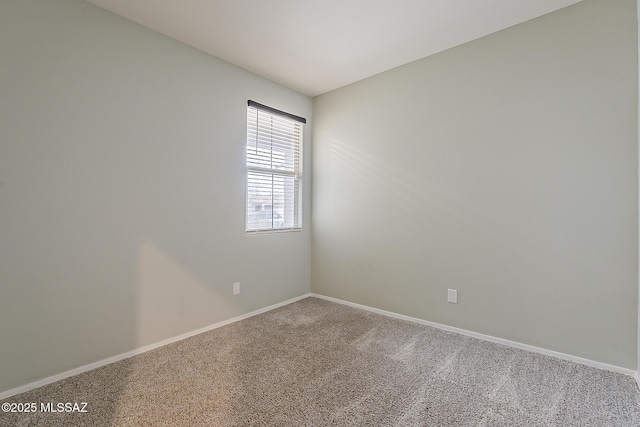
(122, 190)
(505, 168)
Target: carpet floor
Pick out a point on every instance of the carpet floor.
(317, 363)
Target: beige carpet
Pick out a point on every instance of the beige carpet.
(316, 363)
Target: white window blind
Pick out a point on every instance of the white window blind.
(274, 169)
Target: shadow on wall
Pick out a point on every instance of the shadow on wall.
(169, 301)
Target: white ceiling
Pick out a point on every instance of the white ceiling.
(315, 46)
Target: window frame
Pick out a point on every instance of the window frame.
(257, 173)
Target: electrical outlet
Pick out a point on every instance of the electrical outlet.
(452, 296)
(236, 288)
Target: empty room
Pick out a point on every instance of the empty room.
(304, 213)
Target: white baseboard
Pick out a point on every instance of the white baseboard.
(100, 363)
(490, 338)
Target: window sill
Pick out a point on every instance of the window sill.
(274, 231)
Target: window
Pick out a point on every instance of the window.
(274, 169)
